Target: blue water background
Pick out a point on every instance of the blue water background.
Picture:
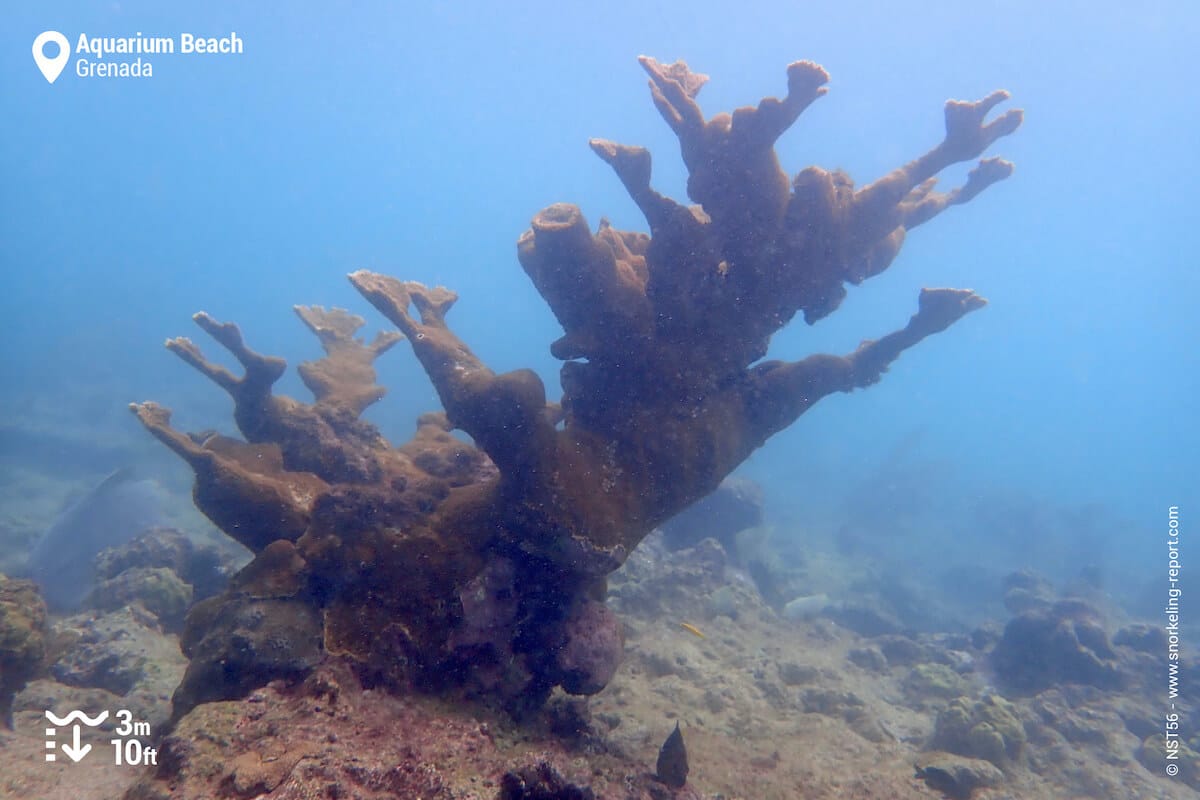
(420, 139)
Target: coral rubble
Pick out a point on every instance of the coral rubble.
(443, 562)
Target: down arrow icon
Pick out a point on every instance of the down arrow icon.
(75, 751)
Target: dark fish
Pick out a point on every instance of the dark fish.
(111, 514)
(672, 766)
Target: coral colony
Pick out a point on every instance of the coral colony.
(481, 567)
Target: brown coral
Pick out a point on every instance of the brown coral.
(664, 394)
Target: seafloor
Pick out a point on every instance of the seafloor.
(838, 703)
(414, 612)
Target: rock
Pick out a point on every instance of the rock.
(568, 718)
(656, 582)
(871, 658)
(237, 643)
(989, 728)
(865, 620)
(715, 701)
(1062, 644)
(1025, 590)
(329, 737)
(945, 641)
(960, 661)
(986, 636)
(540, 782)
(777, 580)
(901, 651)
(722, 602)
(934, 682)
(1143, 638)
(1084, 723)
(46, 694)
(793, 673)
(158, 589)
(163, 570)
(1030, 581)
(733, 507)
(658, 662)
(828, 702)
(203, 567)
(1018, 601)
(956, 776)
(483, 637)
(806, 607)
(1153, 755)
(119, 660)
(22, 639)
(119, 652)
(593, 650)
(1140, 720)
(846, 706)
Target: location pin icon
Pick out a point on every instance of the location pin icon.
(51, 67)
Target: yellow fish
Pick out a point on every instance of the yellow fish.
(692, 629)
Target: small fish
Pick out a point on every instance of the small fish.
(692, 629)
(672, 766)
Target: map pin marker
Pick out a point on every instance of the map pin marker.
(51, 67)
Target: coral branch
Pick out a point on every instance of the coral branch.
(505, 414)
(781, 392)
(243, 488)
(596, 287)
(880, 207)
(737, 148)
(346, 378)
(806, 83)
(261, 371)
(967, 135)
(327, 439)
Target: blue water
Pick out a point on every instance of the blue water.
(419, 141)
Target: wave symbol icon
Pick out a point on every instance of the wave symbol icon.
(77, 715)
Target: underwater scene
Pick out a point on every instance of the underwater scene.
(635, 401)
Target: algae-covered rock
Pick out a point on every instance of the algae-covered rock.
(989, 728)
(722, 602)
(870, 658)
(934, 681)
(590, 656)
(121, 652)
(158, 589)
(46, 694)
(1143, 638)
(22, 639)
(865, 619)
(805, 607)
(1182, 763)
(955, 776)
(734, 506)
(1026, 591)
(237, 643)
(203, 567)
(538, 781)
(1064, 644)
(901, 651)
(118, 660)
(846, 706)
(794, 673)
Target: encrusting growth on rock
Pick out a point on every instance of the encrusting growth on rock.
(482, 565)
